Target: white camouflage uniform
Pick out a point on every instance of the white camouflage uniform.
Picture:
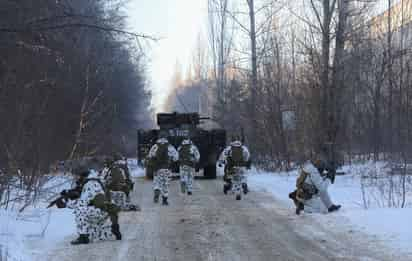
(239, 175)
(320, 202)
(90, 220)
(187, 173)
(161, 176)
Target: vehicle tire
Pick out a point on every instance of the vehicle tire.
(209, 171)
(149, 173)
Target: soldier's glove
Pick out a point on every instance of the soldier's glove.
(72, 194)
(331, 176)
(60, 203)
(63, 193)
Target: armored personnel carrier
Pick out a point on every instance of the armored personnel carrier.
(178, 126)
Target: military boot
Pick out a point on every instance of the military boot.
(299, 207)
(238, 197)
(116, 231)
(183, 187)
(227, 187)
(82, 239)
(133, 207)
(156, 196)
(334, 208)
(164, 201)
(189, 193)
(245, 188)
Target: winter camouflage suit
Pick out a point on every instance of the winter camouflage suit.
(188, 158)
(161, 166)
(320, 201)
(91, 222)
(235, 177)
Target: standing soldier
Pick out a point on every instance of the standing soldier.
(118, 182)
(96, 217)
(188, 158)
(236, 158)
(160, 158)
(121, 162)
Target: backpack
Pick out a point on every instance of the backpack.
(236, 158)
(117, 181)
(129, 181)
(161, 160)
(301, 179)
(100, 199)
(104, 203)
(185, 155)
(304, 190)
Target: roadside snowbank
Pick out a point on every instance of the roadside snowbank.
(135, 170)
(361, 202)
(29, 234)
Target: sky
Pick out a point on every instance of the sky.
(178, 23)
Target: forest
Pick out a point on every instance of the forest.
(296, 75)
(72, 84)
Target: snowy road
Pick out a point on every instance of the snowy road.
(212, 226)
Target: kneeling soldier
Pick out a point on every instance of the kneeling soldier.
(95, 216)
(311, 194)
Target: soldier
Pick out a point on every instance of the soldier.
(188, 158)
(236, 159)
(160, 158)
(117, 180)
(96, 217)
(311, 194)
(121, 162)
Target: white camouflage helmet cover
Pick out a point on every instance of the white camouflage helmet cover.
(162, 141)
(186, 142)
(236, 143)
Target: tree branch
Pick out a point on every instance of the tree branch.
(74, 25)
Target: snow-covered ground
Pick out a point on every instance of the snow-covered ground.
(370, 205)
(26, 235)
(135, 170)
(369, 202)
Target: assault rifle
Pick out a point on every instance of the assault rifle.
(65, 195)
(331, 174)
(59, 202)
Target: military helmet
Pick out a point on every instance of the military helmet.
(236, 143)
(162, 141)
(187, 141)
(318, 162)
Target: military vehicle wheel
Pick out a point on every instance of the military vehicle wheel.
(149, 173)
(210, 172)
